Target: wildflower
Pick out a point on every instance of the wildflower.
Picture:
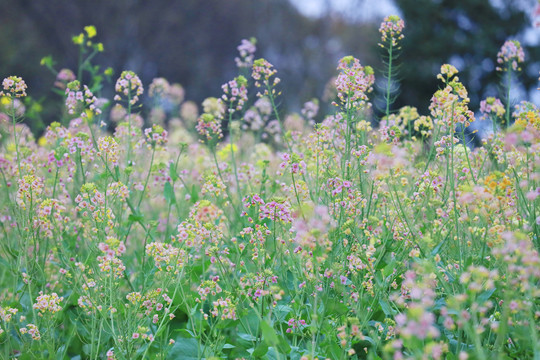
(276, 211)
(449, 106)
(391, 29)
(262, 72)
(209, 127)
(247, 50)
(74, 96)
(526, 114)
(224, 308)
(165, 256)
(510, 56)
(111, 266)
(235, 93)
(491, 107)
(48, 303)
(353, 83)
(130, 86)
(423, 125)
(30, 187)
(13, 86)
(310, 110)
(159, 87)
(108, 148)
(64, 77)
(32, 330)
(7, 313)
(156, 136)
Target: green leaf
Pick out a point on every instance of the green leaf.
(135, 217)
(484, 296)
(281, 312)
(386, 308)
(194, 194)
(172, 173)
(260, 350)
(269, 334)
(185, 333)
(271, 338)
(168, 192)
(186, 349)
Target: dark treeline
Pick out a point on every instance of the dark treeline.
(193, 42)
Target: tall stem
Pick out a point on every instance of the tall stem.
(508, 84)
(389, 79)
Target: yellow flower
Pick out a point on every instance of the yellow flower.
(91, 31)
(79, 39)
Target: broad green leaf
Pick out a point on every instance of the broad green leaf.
(168, 192)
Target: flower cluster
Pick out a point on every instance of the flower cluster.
(353, 83)
(449, 106)
(30, 188)
(209, 127)
(156, 136)
(13, 86)
(64, 77)
(262, 72)
(74, 96)
(166, 256)
(510, 56)
(224, 309)
(276, 211)
(112, 247)
(491, 107)
(246, 50)
(295, 325)
(391, 30)
(48, 303)
(31, 330)
(108, 149)
(7, 313)
(235, 93)
(111, 266)
(130, 86)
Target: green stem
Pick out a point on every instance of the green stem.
(389, 80)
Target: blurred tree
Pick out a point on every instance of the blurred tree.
(466, 33)
(190, 42)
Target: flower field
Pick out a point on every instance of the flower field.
(138, 227)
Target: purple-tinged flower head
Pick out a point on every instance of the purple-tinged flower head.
(31, 330)
(276, 210)
(510, 56)
(391, 30)
(209, 127)
(310, 110)
(156, 136)
(294, 162)
(13, 86)
(262, 72)
(353, 83)
(130, 86)
(74, 96)
(159, 87)
(64, 77)
(491, 107)
(235, 93)
(48, 303)
(246, 50)
(6, 313)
